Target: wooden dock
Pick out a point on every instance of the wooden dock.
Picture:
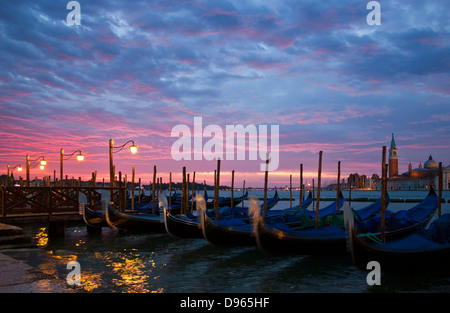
(54, 201)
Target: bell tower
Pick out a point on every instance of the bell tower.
(393, 159)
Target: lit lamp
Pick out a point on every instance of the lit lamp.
(18, 167)
(80, 157)
(36, 161)
(133, 150)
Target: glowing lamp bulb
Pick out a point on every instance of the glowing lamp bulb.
(19, 168)
(133, 149)
(80, 157)
(43, 163)
(41, 167)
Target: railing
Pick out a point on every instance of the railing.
(28, 201)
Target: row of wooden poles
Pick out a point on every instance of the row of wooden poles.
(157, 184)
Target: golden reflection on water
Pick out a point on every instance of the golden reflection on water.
(131, 271)
(41, 237)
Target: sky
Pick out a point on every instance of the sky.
(133, 70)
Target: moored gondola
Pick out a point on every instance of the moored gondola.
(415, 247)
(238, 231)
(226, 201)
(94, 218)
(182, 225)
(330, 237)
(143, 222)
(188, 225)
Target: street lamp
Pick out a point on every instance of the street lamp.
(37, 162)
(19, 168)
(80, 157)
(133, 150)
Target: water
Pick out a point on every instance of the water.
(114, 262)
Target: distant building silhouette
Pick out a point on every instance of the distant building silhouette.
(420, 178)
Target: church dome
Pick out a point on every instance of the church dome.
(430, 163)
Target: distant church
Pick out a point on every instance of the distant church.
(420, 178)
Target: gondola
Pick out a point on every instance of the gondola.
(94, 219)
(419, 249)
(330, 237)
(239, 231)
(146, 222)
(280, 238)
(403, 222)
(188, 225)
(182, 225)
(226, 201)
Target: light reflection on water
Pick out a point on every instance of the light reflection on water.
(138, 263)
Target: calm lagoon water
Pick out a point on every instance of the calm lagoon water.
(114, 262)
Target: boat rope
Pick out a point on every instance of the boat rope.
(372, 237)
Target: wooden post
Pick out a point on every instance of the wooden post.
(266, 174)
(383, 194)
(170, 190)
(301, 188)
(111, 168)
(132, 188)
(153, 190)
(215, 185)
(193, 188)
(124, 193)
(243, 193)
(338, 187)
(3, 205)
(216, 195)
(61, 159)
(120, 197)
(7, 176)
(232, 188)
(318, 189)
(187, 192)
(158, 191)
(28, 171)
(290, 191)
(440, 189)
(183, 192)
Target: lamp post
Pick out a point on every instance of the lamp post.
(133, 150)
(41, 164)
(80, 157)
(19, 168)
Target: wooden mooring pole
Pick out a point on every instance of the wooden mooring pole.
(153, 190)
(383, 194)
(266, 178)
(318, 189)
(301, 188)
(440, 189)
(216, 194)
(338, 187)
(232, 189)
